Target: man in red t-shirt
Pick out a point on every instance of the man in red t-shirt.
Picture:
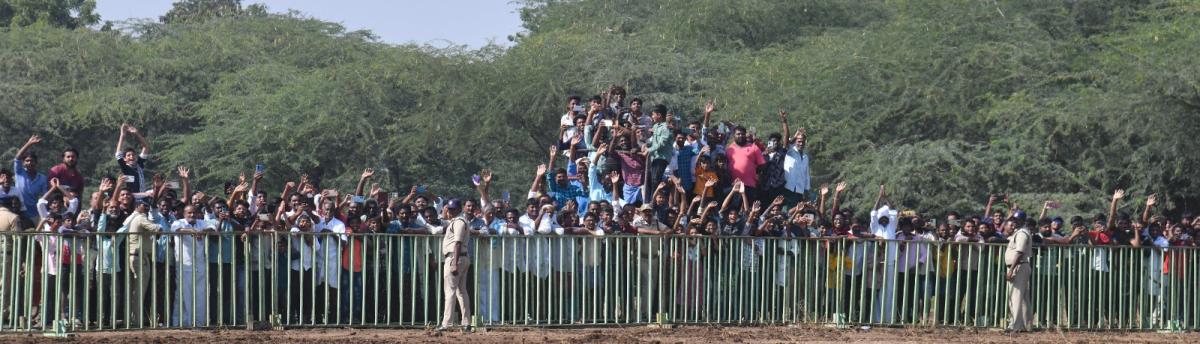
(67, 174)
(744, 160)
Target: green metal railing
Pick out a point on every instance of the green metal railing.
(90, 282)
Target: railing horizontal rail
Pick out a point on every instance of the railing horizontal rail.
(117, 281)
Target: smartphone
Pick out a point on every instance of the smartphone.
(129, 179)
(606, 123)
(264, 217)
(476, 180)
(394, 195)
(420, 189)
(506, 196)
(578, 108)
(173, 185)
(259, 168)
(358, 199)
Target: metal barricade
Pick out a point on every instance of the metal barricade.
(90, 282)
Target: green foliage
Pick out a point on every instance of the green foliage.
(943, 101)
(68, 14)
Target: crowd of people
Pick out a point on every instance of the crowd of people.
(618, 168)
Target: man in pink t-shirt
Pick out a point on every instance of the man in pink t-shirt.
(744, 160)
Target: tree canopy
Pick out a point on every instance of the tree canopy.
(944, 101)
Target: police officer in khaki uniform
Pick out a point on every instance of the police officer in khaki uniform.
(9, 223)
(454, 272)
(1016, 258)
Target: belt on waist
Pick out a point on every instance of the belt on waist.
(463, 254)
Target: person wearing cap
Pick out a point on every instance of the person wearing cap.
(648, 263)
(141, 252)
(1016, 261)
(454, 249)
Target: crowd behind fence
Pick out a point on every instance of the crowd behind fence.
(389, 280)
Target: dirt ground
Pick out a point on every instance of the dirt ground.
(685, 334)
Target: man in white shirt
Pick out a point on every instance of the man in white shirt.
(329, 257)
(795, 169)
(192, 259)
(883, 226)
(302, 250)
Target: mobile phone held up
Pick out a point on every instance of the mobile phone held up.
(259, 168)
(476, 180)
(420, 189)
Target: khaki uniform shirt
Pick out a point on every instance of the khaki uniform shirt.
(9, 222)
(1021, 244)
(136, 224)
(456, 233)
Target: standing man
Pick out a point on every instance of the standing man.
(1017, 274)
(133, 167)
(454, 250)
(141, 249)
(744, 160)
(9, 223)
(32, 185)
(659, 148)
(66, 173)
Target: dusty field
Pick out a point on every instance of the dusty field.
(688, 334)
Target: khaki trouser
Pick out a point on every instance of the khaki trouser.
(455, 290)
(1018, 299)
(139, 288)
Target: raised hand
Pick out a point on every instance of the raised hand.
(485, 177)
(614, 177)
(106, 185)
(577, 138)
(241, 177)
(241, 187)
(783, 115)
(183, 172)
(1119, 194)
(304, 179)
(710, 106)
(757, 207)
(738, 186)
(778, 201)
(1152, 200)
(841, 186)
(992, 198)
(553, 151)
(290, 186)
(710, 183)
(33, 140)
(54, 183)
(131, 129)
(367, 173)
(824, 189)
(541, 170)
(712, 205)
(375, 189)
(258, 176)
(602, 149)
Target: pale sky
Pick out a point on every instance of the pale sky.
(435, 22)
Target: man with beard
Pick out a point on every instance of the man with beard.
(744, 160)
(68, 176)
